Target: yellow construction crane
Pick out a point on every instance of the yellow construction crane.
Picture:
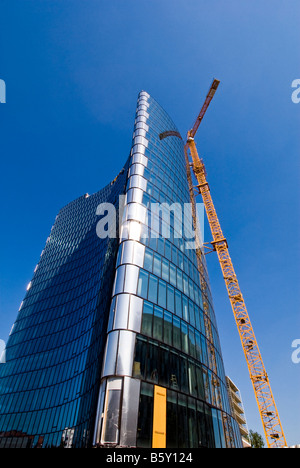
(269, 415)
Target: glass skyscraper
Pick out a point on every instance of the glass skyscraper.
(116, 341)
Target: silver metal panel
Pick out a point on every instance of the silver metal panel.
(140, 140)
(125, 353)
(138, 182)
(138, 254)
(110, 354)
(99, 414)
(130, 411)
(142, 125)
(136, 195)
(140, 118)
(136, 212)
(144, 94)
(112, 314)
(142, 113)
(134, 230)
(127, 255)
(137, 169)
(119, 280)
(140, 158)
(124, 231)
(131, 279)
(121, 313)
(138, 149)
(135, 314)
(142, 106)
(111, 429)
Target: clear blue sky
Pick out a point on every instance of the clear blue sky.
(73, 70)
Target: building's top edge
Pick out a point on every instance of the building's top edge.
(149, 96)
(87, 195)
(232, 384)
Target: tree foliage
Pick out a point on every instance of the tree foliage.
(256, 440)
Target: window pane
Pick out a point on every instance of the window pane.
(204, 350)
(174, 371)
(203, 436)
(144, 432)
(152, 363)
(168, 328)
(168, 250)
(198, 346)
(176, 333)
(179, 280)
(172, 274)
(184, 337)
(139, 363)
(178, 303)
(143, 284)
(165, 270)
(172, 423)
(185, 284)
(111, 430)
(160, 245)
(158, 324)
(216, 428)
(184, 382)
(148, 260)
(147, 319)
(200, 383)
(192, 378)
(192, 313)
(119, 281)
(192, 424)
(185, 308)
(162, 294)
(170, 299)
(164, 378)
(192, 342)
(180, 260)
(206, 385)
(174, 255)
(152, 241)
(182, 422)
(191, 289)
(152, 294)
(157, 265)
(197, 318)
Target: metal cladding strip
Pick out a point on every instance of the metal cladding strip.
(122, 330)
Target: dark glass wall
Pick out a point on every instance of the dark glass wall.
(50, 382)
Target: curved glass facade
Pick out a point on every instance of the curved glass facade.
(110, 326)
(160, 335)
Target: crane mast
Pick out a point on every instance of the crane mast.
(264, 397)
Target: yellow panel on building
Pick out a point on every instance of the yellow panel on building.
(159, 417)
